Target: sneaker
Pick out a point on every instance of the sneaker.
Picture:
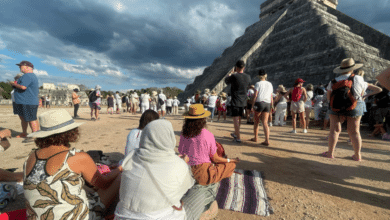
(305, 131)
(293, 132)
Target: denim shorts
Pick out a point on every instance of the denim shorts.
(357, 112)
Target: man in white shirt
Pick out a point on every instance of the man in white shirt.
(169, 103)
(175, 105)
(161, 108)
(118, 102)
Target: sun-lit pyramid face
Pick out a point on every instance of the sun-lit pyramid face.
(269, 7)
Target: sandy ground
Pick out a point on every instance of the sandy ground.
(300, 183)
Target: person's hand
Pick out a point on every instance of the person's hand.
(235, 160)
(120, 168)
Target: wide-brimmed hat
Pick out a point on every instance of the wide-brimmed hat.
(299, 80)
(54, 122)
(197, 111)
(347, 65)
(281, 88)
(154, 93)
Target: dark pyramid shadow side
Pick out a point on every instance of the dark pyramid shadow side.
(243, 46)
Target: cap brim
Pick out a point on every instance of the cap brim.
(205, 115)
(42, 134)
(357, 66)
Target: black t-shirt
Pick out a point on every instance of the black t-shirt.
(383, 99)
(239, 87)
(110, 101)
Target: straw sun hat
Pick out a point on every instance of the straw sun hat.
(347, 65)
(54, 122)
(281, 88)
(197, 111)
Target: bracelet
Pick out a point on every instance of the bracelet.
(228, 160)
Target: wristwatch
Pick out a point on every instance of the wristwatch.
(228, 160)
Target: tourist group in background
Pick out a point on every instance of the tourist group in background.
(154, 182)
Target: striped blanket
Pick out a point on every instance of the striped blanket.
(244, 192)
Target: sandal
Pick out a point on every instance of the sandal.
(22, 136)
(265, 144)
(233, 135)
(355, 158)
(325, 154)
(253, 139)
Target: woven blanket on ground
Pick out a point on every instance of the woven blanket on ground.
(244, 192)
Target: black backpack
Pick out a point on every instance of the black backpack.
(92, 96)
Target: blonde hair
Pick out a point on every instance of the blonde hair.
(360, 72)
(309, 87)
(263, 77)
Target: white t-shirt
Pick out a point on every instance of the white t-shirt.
(359, 86)
(175, 102)
(134, 97)
(264, 89)
(212, 101)
(251, 92)
(47, 99)
(145, 98)
(169, 102)
(308, 102)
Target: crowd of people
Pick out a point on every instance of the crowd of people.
(154, 182)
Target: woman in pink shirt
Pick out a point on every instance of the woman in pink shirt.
(199, 145)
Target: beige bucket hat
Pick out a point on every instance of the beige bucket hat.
(197, 111)
(54, 122)
(347, 65)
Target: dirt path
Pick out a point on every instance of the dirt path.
(300, 183)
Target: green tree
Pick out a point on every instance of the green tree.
(7, 88)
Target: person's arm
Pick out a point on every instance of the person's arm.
(6, 133)
(374, 89)
(82, 163)
(254, 98)
(218, 159)
(6, 176)
(287, 94)
(304, 95)
(384, 78)
(228, 78)
(18, 86)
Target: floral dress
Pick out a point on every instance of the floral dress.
(59, 196)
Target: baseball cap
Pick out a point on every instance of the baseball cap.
(25, 63)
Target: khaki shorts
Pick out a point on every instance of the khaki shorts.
(297, 107)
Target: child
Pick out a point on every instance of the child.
(110, 102)
(221, 106)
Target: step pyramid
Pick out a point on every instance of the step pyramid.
(298, 39)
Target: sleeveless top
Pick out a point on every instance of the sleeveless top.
(59, 196)
(296, 94)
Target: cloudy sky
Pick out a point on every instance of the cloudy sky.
(133, 44)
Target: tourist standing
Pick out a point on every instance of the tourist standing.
(298, 99)
(262, 105)
(281, 106)
(175, 105)
(340, 108)
(26, 98)
(110, 104)
(221, 105)
(76, 102)
(95, 100)
(145, 99)
(118, 102)
(153, 102)
(249, 102)
(205, 97)
(134, 102)
(239, 82)
(13, 93)
(48, 101)
(212, 101)
(161, 104)
(169, 105)
(308, 103)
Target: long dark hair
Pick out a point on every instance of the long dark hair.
(193, 127)
(148, 116)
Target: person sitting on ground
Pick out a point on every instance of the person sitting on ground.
(134, 137)
(281, 106)
(262, 105)
(154, 178)
(55, 174)
(298, 99)
(308, 103)
(221, 105)
(199, 145)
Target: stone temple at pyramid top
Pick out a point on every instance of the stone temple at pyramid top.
(269, 7)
